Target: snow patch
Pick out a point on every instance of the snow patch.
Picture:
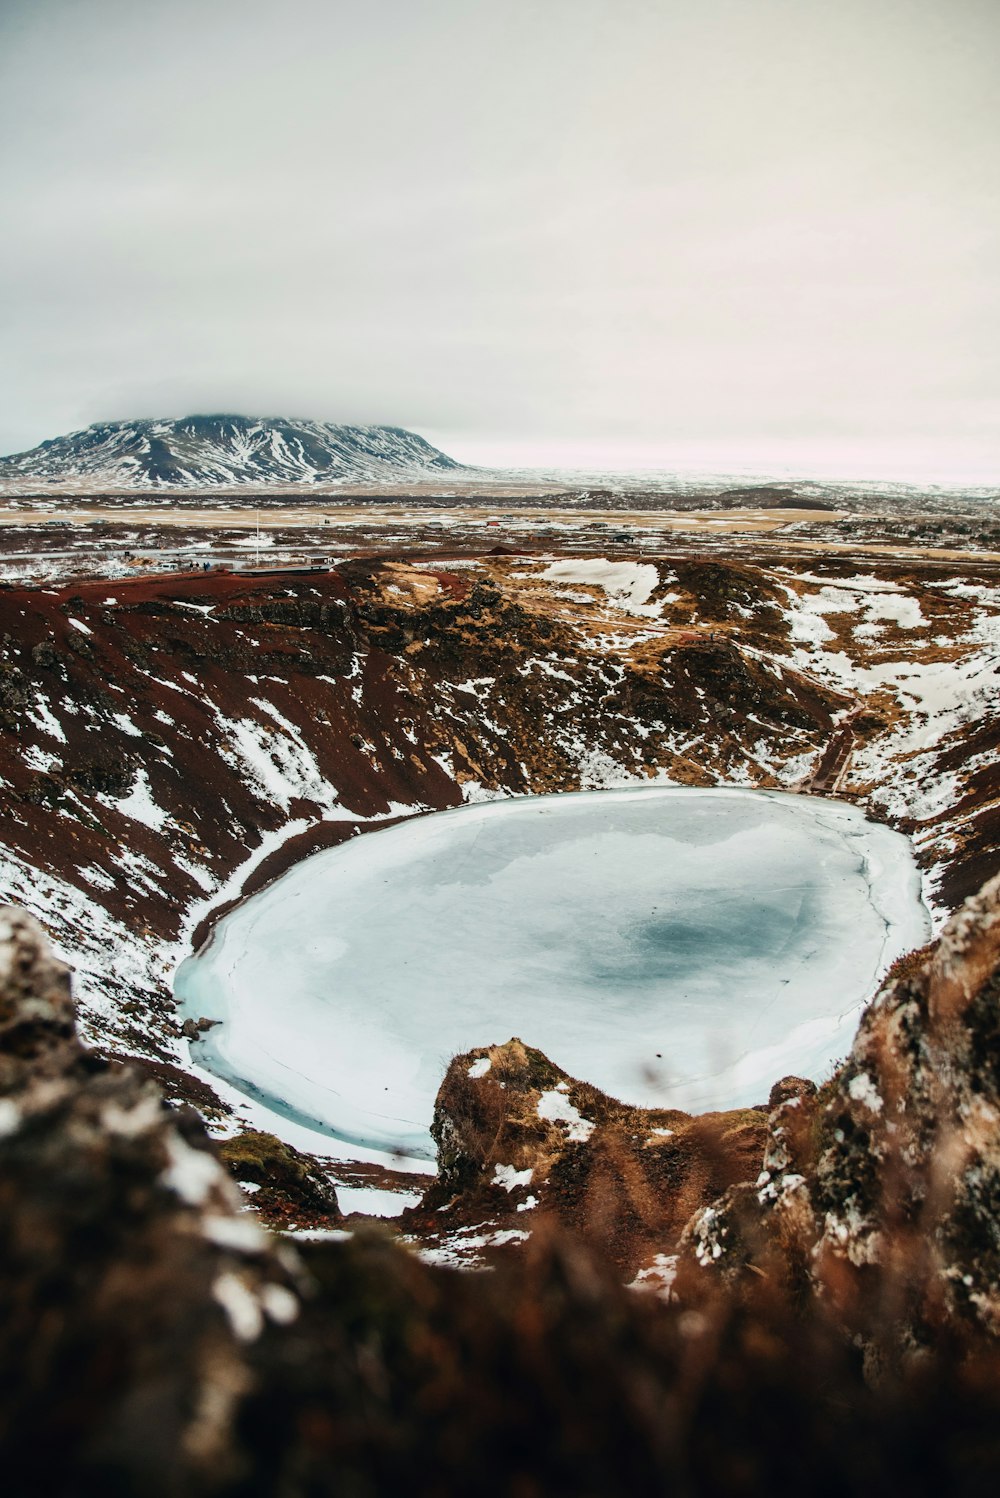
(140, 806)
(10, 1118)
(627, 584)
(191, 1174)
(863, 1090)
(556, 1107)
(240, 1305)
(510, 1178)
(41, 715)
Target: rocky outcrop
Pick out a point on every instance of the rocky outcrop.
(881, 1192)
(133, 1281)
(518, 1138)
(285, 1187)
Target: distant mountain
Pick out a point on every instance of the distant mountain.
(204, 450)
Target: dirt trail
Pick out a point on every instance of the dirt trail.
(833, 762)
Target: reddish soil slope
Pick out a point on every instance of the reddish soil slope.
(160, 735)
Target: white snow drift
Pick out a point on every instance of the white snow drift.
(674, 946)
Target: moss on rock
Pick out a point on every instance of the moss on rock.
(290, 1187)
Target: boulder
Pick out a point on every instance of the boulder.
(882, 1189)
(133, 1280)
(286, 1186)
(517, 1136)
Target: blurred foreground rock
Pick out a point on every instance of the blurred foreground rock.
(133, 1280)
(155, 1341)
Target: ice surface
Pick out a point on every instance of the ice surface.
(673, 946)
(375, 1201)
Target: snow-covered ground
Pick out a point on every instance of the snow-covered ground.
(673, 946)
(939, 684)
(627, 584)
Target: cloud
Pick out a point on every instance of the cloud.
(593, 220)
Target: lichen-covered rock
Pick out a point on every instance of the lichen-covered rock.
(132, 1279)
(487, 1113)
(908, 1149)
(517, 1136)
(744, 1229)
(883, 1189)
(37, 1025)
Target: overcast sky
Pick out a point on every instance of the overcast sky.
(738, 232)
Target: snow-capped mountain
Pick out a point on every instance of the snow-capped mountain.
(199, 450)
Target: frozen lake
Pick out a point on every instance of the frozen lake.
(675, 947)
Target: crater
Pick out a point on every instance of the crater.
(676, 947)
